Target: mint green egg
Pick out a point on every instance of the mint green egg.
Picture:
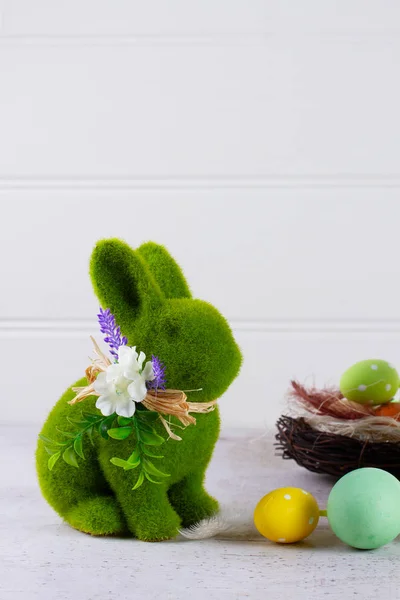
(370, 382)
(364, 508)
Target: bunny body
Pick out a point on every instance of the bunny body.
(148, 294)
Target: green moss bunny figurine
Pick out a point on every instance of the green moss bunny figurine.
(147, 292)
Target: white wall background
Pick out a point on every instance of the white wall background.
(258, 139)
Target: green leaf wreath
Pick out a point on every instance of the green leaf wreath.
(131, 398)
(117, 428)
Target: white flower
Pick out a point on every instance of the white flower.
(123, 383)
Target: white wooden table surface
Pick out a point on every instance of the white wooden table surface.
(40, 557)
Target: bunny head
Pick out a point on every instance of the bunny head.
(147, 292)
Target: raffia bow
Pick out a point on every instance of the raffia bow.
(165, 402)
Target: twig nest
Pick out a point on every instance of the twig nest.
(364, 508)
(370, 382)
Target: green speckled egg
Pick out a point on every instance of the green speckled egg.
(370, 382)
(364, 508)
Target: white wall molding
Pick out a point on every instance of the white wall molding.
(259, 141)
(270, 362)
(197, 17)
(238, 38)
(206, 182)
(258, 255)
(85, 327)
(143, 40)
(262, 112)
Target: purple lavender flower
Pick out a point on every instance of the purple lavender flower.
(159, 380)
(112, 330)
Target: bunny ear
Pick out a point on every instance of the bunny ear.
(165, 270)
(122, 281)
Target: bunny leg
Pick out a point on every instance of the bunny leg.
(99, 515)
(190, 499)
(148, 512)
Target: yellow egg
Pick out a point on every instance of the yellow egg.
(286, 515)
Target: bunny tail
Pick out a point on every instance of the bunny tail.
(227, 522)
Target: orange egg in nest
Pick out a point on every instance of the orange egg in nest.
(389, 410)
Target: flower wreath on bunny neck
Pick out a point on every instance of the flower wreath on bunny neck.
(132, 396)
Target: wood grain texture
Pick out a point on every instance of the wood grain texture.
(44, 559)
